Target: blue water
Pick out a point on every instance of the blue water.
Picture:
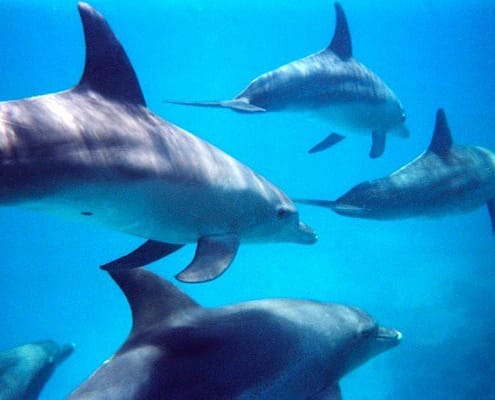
(432, 279)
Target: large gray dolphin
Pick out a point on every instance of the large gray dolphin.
(445, 179)
(333, 85)
(96, 153)
(24, 370)
(267, 349)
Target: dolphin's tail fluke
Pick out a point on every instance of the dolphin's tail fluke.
(319, 203)
(241, 105)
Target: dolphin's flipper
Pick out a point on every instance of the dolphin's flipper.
(150, 251)
(378, 140)
(326, 143)
(151, 299)
(240, 105)
(441, 141)
(491, 211)
(331, 393)
(213, 256)
(108, 70)
(341, 43)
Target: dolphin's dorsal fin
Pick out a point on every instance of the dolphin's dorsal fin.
(151, 298)
(441, 141)
(108, 70)
(341, 43)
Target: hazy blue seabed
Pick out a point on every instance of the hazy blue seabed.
(432, 279)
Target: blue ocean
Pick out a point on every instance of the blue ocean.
(432, 279)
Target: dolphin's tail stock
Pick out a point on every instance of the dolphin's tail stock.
(240, 104)
(319, 203)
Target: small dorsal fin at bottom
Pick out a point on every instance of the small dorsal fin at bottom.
(145, 254)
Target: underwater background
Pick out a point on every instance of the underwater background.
(432, 279)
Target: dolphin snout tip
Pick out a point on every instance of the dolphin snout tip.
(307, 234)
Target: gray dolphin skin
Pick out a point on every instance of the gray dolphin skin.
(446, 179)
(331, 84)
(266, 349)
(24, 370)
(96, 153)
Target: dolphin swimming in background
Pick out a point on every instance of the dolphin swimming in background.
(445, 179)
(276, 349)
(333, 85)
(96, 153)
(24, 370)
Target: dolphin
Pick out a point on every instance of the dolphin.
(334, 86)
(445, 179)
(24, 370)
(265, 349)
(96, 153)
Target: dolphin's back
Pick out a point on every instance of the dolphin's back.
(315, 81)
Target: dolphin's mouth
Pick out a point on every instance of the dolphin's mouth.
(389, 335)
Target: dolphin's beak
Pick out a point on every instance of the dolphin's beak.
(65, 351)
(306, 235)
(392, 336)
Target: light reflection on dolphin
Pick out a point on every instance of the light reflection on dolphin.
(334, 86)
(96, 153)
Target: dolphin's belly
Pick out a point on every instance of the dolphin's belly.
(154, 209)
(358, 117)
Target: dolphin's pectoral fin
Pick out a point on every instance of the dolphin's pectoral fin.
(213, 256)
(326, 143)
(491, 212)
(150, 251)
(331, 393)
(378, 140)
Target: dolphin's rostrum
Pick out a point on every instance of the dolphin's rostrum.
(96, 153)
(333, 85)
(266, 349)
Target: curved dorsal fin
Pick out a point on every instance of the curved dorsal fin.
(341, 42)
(151, 298)
(441, 142)
(108, 70)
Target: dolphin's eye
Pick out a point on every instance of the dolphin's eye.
(283, 212)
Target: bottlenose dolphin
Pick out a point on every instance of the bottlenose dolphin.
(333, 85)
(265, 349)
(96, 153)
(24, 370)
(445, 179)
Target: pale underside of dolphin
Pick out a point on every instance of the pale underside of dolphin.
(446, 179)
(24, 370)
(271, 349)
(96, 153)
(331, 84)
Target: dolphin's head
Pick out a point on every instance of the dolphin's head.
(277, 220)
(358, 337)
(54, 353)
(396, 119)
